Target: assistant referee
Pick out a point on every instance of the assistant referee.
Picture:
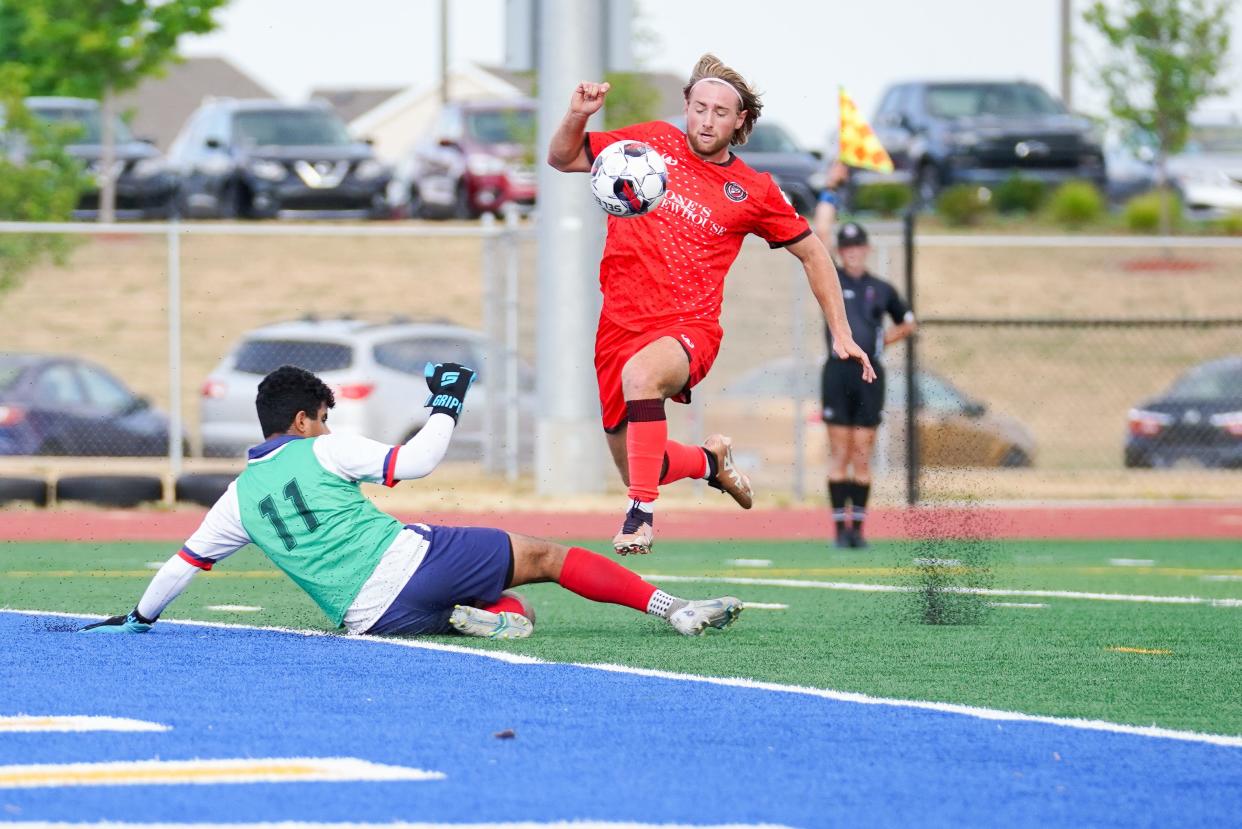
(852, 408)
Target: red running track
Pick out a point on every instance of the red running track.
(1157, 521)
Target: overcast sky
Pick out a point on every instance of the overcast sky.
(796, 52)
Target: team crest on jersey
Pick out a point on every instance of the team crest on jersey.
(734, 191)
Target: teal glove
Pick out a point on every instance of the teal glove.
(132, 622)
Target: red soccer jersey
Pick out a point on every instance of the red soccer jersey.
(670, 265)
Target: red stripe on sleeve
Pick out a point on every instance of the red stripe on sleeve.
(198, 561)
(390, 467)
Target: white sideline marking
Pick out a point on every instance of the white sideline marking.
(28, 723)
(749, 562)
(979, 591)
(297, 824)
(154, 565)
(1221, 577)
(1233, 741)
(1017, 604)
(235, 608)
(1132, 562)
(205, 772)
(764, 606)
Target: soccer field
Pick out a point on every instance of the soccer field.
(1138, 634)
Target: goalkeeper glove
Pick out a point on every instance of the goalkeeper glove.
(448, 384)
(132, 622)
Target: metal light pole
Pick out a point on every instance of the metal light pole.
(444, 50)
(1067, 60)
(569, 448)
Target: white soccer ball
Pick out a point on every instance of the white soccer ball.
(628, 178)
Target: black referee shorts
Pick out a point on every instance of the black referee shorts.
(848, 401)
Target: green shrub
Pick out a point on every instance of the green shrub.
(1228, 225)
(885, 198)
(963, 204)
(1142, 213)
(1017, 194)
(1076, 203)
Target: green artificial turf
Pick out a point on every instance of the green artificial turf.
(1055, 660)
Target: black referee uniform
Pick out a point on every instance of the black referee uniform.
(847, 400)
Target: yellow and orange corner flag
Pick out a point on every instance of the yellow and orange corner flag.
(859, 145)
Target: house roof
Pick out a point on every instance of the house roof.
(162, 105)
(350, 103)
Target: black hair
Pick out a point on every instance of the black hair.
(287, 391)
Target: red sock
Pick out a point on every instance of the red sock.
(507, 604)
(645, 438)
(599, 579)
(683, 462)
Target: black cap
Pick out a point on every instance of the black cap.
(851, 235)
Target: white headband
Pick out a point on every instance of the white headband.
(741, 104)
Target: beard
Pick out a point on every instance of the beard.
(708, 150)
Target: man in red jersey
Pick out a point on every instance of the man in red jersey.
(662, 276)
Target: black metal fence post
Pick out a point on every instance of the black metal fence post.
(912, 397)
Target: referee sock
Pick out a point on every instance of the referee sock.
(838, 493)
(859, 492)
(600, 579)
(682, 461)
(645, 440)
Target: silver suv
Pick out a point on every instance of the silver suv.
(375, 370)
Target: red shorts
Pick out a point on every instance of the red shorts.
(614, 346)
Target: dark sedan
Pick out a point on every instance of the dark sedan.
(263, 159)
(1196, 422)
(65, 406)
(146, 188)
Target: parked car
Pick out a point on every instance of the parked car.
(944, 133)
(1208, 170)
(477, 158)
(1207, 173)
(146, 187)
(52, 405)
(1197, 421)
(375, 370)
(799, 173)
(954, 428)
(264, 158)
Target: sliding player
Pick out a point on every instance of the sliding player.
(300, 502)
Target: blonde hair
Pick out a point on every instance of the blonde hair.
(710, 66)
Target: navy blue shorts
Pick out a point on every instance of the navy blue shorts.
(463, 565)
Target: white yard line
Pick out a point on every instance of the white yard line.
(764, 606)
(749, 562)
(1233, 741)
(1132, 562)
(234, 608)
(980, 591)
(1033, 605)
(50, 722)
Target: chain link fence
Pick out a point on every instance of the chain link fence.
(1048, 367)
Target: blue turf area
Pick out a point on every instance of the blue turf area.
(590, 744)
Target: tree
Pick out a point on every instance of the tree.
(39, 181)
(1165, 58)
(631, 100)
(97, 48)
